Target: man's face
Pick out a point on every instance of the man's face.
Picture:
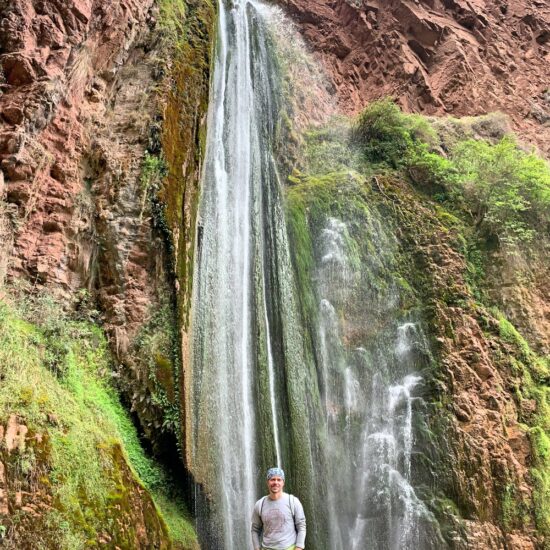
(275, 485)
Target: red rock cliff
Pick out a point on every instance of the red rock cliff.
(457, 57)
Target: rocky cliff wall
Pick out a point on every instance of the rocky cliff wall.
(438, 57)
(100, 101)
(60, 62)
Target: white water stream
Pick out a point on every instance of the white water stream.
(228, 287)
(255, 399)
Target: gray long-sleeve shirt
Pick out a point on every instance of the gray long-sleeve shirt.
(273, 521)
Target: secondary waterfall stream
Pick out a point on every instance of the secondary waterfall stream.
(264, 388)
(369, 396)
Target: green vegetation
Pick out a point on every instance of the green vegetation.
(156, 347)
(183, 135)
(502, 190)
(534, 387)
(387, 135)
(153, 171)
(56, 380)
(172, 20)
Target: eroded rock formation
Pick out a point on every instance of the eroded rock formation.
(85, 88)
(481, 417)
(60, 63)
(452, 57)
(95, 97)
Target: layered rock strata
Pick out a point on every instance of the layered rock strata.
(437, 56)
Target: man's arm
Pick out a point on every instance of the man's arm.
(256, 528)
(300, 524)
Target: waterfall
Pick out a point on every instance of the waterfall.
(232, 324)
(369, 399)
(269, 385)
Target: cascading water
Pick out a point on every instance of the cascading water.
(238, 333)
(369, 398)
(264, 386)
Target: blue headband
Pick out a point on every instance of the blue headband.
(272, 472)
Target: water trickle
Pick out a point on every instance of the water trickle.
(369, 398)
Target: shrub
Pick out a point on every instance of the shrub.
(386, 135)
(431, 171)
(383, 134)
(505, 191)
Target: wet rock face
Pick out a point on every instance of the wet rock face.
(59, 62)
(437, 56)
(485, 452)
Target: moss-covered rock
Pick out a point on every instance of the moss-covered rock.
(73, 472)
(183, 139)
(486, 439)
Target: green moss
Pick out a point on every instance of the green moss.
(302, 253)
(172, 20)
(514, 511)
(178, 520)
(87, 453)
(509, 334)
(183, 139)
(533, 375)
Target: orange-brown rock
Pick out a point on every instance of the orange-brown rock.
(60, 63)
(439, 57)
(487, 449)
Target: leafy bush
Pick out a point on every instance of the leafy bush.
(383, 134)
(390, 136)
(505, 191)
(431, 171)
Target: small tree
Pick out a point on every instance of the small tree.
(386, 135)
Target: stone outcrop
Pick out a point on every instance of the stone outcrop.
(26, 497)
(60, 63)
(437, 57)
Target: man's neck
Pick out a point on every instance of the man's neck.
(275, 496)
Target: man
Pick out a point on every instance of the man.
(278, 518)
